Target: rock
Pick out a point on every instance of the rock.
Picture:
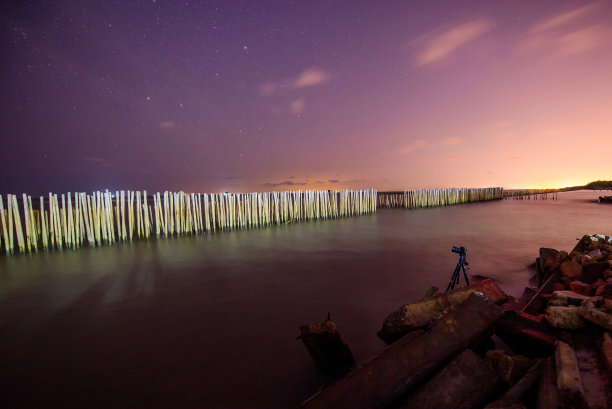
(520, 388)
(382, 379)
(607, 305)
(572, 298)
(432, 291)
(467, 381)
(561, 256)
(581, 288)
(558, 287)
(570, 270)
(607, 273)
(586, 260)
(548, 262)
(568, 376)
(565, 317)
(605, 351)
(604, 290)
(593, 271)
(525, 335)
(506, 404)
(548, 394)
(595, 254)
(327, 347)
(509, 368)
(421, 314)
(597, 317)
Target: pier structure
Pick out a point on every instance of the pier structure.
(74, 220)
(416, 199)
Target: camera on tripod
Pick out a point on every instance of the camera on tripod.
(462, 251)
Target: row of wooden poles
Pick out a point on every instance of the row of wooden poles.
(415, 199)
(79, 219)
(527, 194)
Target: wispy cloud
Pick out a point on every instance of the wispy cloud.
(98, 160)
(456, 156)
(451, 141)
(439, 46)
(308, 78)
(284, 183)
(409, 147)
(418, 144)
(167, 125)
(297, 106)
(568, 33)
(564, 18)
(311, 76)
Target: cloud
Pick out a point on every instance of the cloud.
(564, 18)
(285, 183)
(333, 181)
(441, 45)
(94, 159)
(308, 78)
(311, 76)
(567, 33)
(407, 148)
(98, 160)
(269, 88)
(410, 147)
(167, 125)
(451, 141)
(504, 124)
(456, 156)
(297, 106)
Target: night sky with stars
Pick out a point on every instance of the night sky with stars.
(210, 96)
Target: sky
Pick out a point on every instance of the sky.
(211, 96)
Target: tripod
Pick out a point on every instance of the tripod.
(462, 251)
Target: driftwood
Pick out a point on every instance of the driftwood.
(382, 379)
(327, 347)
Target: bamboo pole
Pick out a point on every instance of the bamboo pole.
(7, 242)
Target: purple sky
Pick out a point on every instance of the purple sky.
(276, 95)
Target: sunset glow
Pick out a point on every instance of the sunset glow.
(207, 96)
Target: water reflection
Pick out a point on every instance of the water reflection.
(210, 321)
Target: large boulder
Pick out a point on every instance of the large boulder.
(571, 270)
(595, 254)
(422, 313)
(593, 271)
(565, 317)
(581, 288)
(548, 262)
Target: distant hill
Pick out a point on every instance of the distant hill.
(599, 185)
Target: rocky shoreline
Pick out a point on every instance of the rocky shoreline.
(476, 347)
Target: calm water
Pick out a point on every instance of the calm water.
(211, 321)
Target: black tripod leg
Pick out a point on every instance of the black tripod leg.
(467, 282)
(454, 278)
